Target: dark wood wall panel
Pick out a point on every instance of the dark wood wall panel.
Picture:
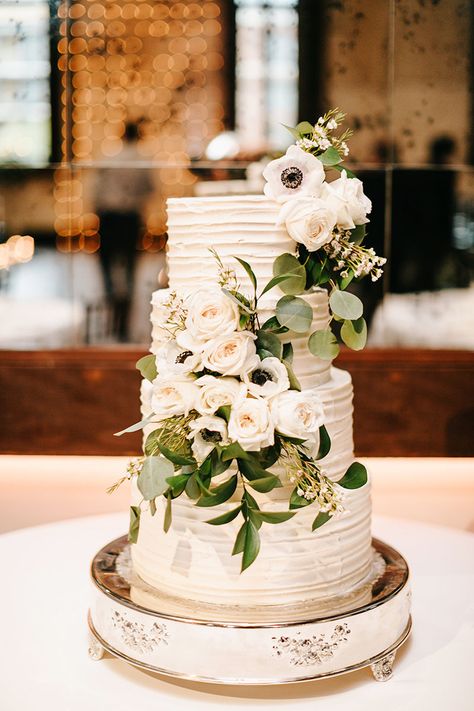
(407, 403)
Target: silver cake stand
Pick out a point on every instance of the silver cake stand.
(266, 645)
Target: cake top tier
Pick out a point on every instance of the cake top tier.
(238, 226)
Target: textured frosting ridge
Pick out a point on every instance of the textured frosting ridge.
(193, 560)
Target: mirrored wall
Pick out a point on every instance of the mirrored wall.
(109, 107)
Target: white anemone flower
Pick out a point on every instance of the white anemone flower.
(206, 432)
(297, 173)
(267, 378)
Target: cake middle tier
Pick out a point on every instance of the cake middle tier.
(193, 560)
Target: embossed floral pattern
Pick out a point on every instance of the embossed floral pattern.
(304, 651)
(137, 636)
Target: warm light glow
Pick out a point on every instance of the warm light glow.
(18, 249)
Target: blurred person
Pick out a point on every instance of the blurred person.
(120, 195)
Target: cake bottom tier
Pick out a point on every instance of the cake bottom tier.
(193, 560)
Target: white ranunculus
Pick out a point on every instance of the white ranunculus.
(297, 173)
(205, 433)
(173, 395)
(267, 378)
(232, 354)
(173, 359)
(298, 414)
(211, 313)
(309, 221)
(216, 392)
(346, 197)
(251, 424)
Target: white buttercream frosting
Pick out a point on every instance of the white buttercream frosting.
(193, 560)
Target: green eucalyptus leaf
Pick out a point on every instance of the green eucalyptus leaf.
(287, 353)
(324, 443)
(224, 412)
(136, 427)
(225, 517)
(151, 481)
(192, 488)
(340, 168)
(249, 270)
(175, 457)
(266, 483)
(147, 367)
(294, 131)
(330, 157)
(240, 539)
(295, 313)
(239, 302)
(322, 518)
(217, 465)
(153, 507)
(262, 354)
(305, 127)
(354, 333)
(316, 272)
(297, 501)
(233, 451)
(178, 481)
(273, 326)
(345, 281)
(274, 516)
(251, 469)
(269, 342)
(267, 456)
(346, 305)
(251, 545)
(220, 493)
(355, 477)
(252, 514)
(168, 515)
(288, 264)
(294, 382)
(134, 526)
(202, 486)
(250, 501)
(275, 281)
(358, 234)
(323, 344)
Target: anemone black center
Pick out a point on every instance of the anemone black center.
(182, 356)
(292, 177)
(211, 435)
(260, 376)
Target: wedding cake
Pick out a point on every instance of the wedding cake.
(248, 493)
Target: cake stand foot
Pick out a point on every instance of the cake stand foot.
(383, 669)
(95, 650)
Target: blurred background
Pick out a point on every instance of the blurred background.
(109, 107)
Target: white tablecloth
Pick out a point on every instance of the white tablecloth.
(43, 650)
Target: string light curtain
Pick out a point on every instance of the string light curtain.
(157, 64)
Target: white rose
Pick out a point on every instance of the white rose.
(346, 197)
(173, 395)
(172, 359)
(309, 221)
(216, 392)
(251, 424)
(267, 378)
(232, 354)
(296, 173)
(211, 313)
(298, 414)
(205, 433)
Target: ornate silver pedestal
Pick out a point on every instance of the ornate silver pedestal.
(266, 645)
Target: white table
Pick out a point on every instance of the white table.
(43, 652)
